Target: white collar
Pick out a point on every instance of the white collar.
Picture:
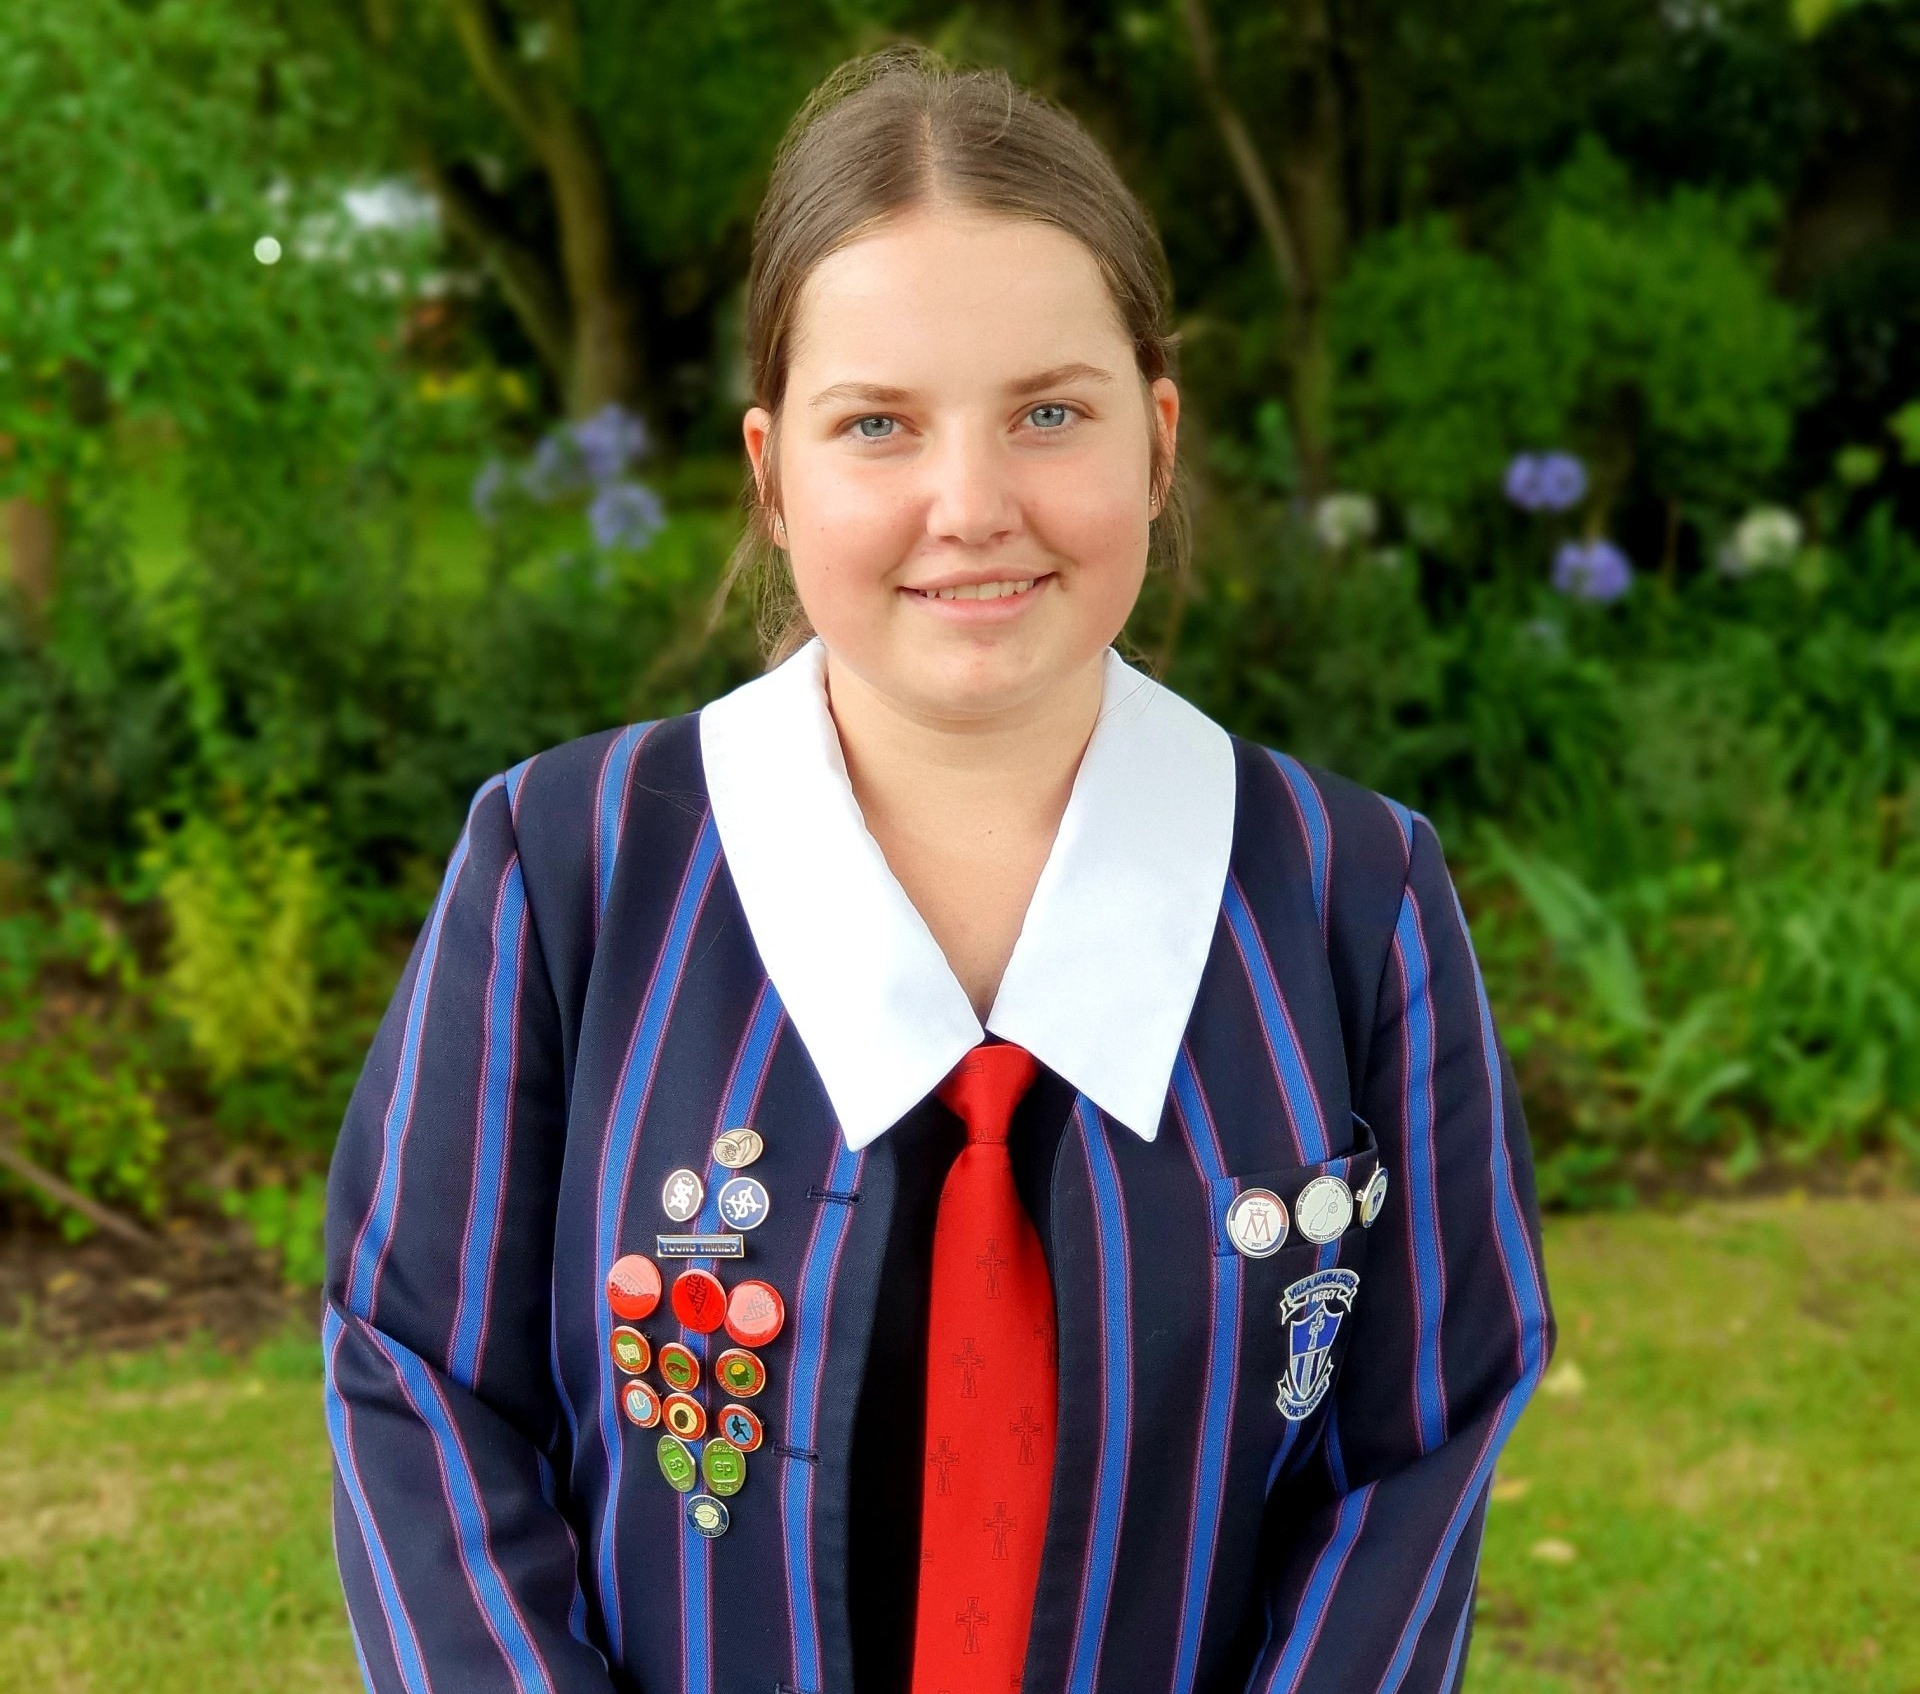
(1104, 974)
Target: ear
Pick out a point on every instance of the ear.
(754, 428)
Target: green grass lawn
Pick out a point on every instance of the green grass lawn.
(1716, 1490)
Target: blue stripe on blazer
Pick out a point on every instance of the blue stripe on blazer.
(584, 1011)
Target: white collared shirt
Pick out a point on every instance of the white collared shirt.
(1103, 976)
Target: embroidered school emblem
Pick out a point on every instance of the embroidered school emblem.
(1311, 1311)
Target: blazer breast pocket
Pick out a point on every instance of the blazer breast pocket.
(1300, 1234)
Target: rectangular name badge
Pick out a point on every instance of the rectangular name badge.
(717, 1246)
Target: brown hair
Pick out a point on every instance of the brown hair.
(883, 135)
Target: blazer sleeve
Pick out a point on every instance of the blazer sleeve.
(1376, 1544)
(460, 1569)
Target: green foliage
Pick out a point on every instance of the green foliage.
(287, 1218)
(244, 899)
(1640, 332)
(80, 1073)
(1687, 830)
(129, 213)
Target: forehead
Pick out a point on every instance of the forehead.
(955, 291)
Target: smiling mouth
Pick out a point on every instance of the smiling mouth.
(981, 590)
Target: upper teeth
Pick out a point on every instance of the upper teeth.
(982, 590)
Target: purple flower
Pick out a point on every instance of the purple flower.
(1591, 570)
(1546, 482)
(626, 514)
(558, 469)
(609, 441)
(486, 490)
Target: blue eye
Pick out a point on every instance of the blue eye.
(1050, 406)
(872, 417)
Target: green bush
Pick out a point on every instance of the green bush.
(80, 1067)
(1642, 333)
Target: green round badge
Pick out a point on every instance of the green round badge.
(740, 1372)
(724, 1466)
(679, 1366)
(676, 1463)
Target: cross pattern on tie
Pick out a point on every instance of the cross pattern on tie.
(990, 1398)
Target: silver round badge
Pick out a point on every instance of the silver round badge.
(1373, 1197)
(681, 1194)
(707, 1515)
(1323, 1208)
(743, 1203)
(738, 1148)
(1257, 1222)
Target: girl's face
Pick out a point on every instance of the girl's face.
(963, 411)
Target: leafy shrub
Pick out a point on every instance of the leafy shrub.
(244, 900)
(1641, 332)
(80, 1071)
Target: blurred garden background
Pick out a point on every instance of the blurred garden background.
(370, 402)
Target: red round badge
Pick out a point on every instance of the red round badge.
(699, 1301)
(633, 1286)
(685, 1416)
(755, 1313)
(641, 1404)
(741, 1427)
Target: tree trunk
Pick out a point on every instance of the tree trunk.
(33, 550)
(605, 357)
(1301, 213)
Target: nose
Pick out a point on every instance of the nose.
(972, 497)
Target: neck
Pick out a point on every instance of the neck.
(965, 777)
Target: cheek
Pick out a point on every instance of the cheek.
(1104, 536)
(845, 538)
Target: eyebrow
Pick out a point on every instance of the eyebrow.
(882, 394)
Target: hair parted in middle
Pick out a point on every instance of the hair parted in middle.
(903, 129)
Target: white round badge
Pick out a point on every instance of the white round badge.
(1373, 1197)
(1323, 1208)
(681, 1194)
(1257, 1222)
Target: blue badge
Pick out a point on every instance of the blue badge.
(1311, 1310)
(743, 1203)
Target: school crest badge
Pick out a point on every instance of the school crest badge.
(1311, 1312)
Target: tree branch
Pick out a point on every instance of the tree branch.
(1254, 180)
(519, 95)
(526, 277)
(101, 1216)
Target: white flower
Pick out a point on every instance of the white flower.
(1766, 538)
(1342, 520)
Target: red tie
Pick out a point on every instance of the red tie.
(990, 1400)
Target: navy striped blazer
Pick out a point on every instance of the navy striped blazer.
(583, 1012)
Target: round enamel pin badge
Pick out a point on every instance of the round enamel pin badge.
(681, 1194)
(738, 1148)
(1323, 1208)
(743, 1203)
(630, 1350)
(1373, 1197)
(1257, 1222)
(641, 1404)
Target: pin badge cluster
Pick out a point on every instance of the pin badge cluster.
(1313, 1307)
(701, 1455)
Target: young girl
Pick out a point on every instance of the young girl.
(944, 1170)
